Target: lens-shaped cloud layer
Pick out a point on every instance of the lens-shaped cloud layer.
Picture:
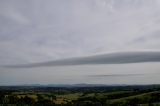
(112, 58)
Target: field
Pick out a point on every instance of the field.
(80, 96)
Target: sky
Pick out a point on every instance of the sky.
(79, 41)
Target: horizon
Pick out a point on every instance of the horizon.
(77, 85)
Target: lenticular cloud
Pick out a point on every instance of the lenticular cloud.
(112, 58)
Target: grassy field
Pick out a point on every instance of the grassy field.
(81, 96)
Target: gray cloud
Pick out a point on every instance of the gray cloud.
(41, 33)
(74, 28)
(113, 58)
(152, 36)
(116, 75)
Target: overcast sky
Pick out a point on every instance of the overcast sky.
(42, 31)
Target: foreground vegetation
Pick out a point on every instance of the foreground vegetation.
(80, 96)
